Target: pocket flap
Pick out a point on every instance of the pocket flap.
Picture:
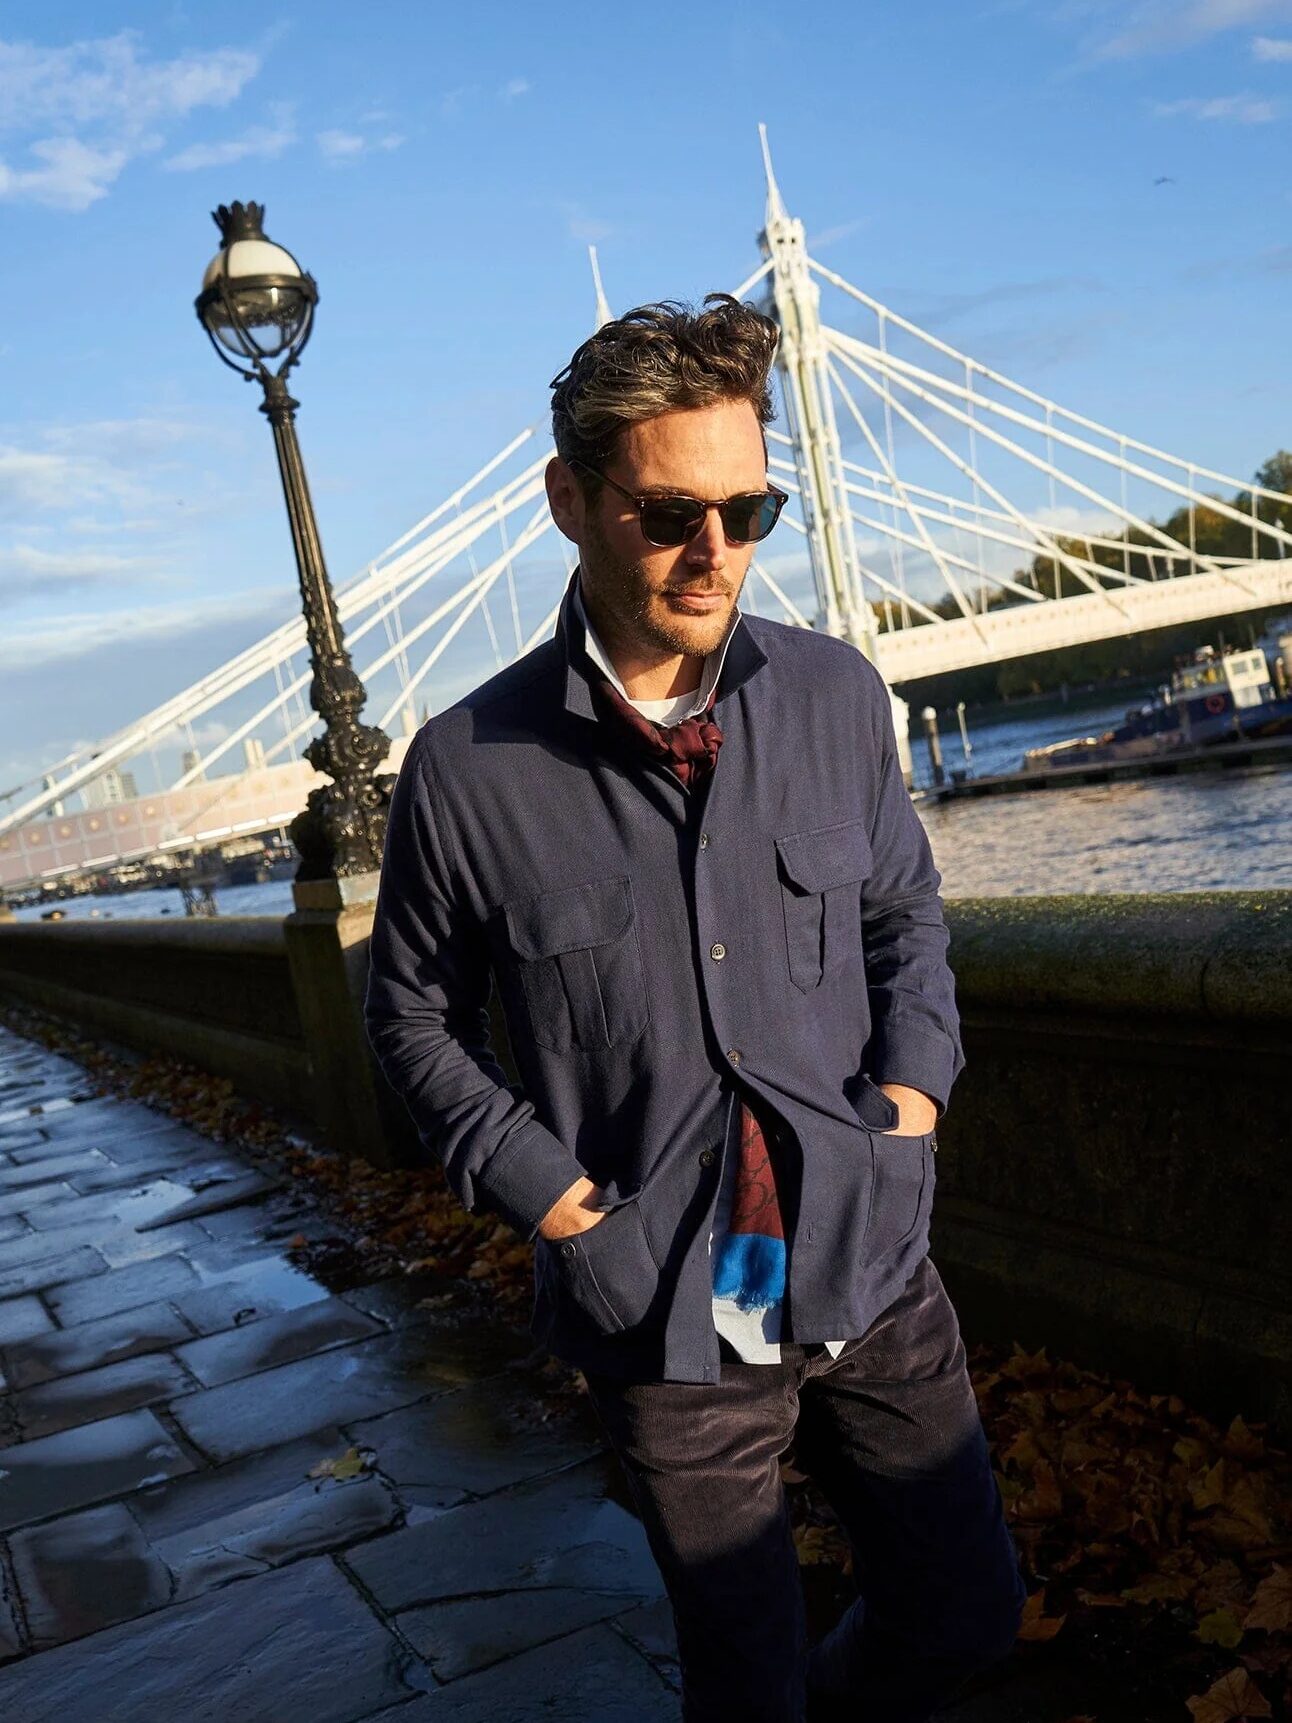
(571, 919)
(835, 855)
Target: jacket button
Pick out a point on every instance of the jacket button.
(717, 951)
(735, 1055)
(706, 1157)
(567, 1250)
(704, 840)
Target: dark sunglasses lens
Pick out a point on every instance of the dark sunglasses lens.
(750, 517)
(671, 520)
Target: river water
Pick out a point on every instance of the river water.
(1205, 831)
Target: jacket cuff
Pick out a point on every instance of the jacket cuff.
(525, 1177)
(929, 1063)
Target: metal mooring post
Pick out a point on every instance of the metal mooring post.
(934, 741)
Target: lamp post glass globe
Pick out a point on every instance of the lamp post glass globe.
(256, 301)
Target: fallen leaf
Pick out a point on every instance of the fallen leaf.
(1209, 1490)
(347, 1465)
(1035, 1624)
(1220, 1627)
(1271, 1608)
(1233, 1697)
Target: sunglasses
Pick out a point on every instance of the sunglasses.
(667, 521)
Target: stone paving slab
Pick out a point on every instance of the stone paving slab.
(231, 1193)
(93, 1394)
(296, 1643)
(255, 1289)
(107, 1120)
(19, 1201)
(495, 1577)
(309, 1520)
(119, 1289)
(84, 1572)
(279, 1339)
(55, 1474)
(61, 1158)
(51, 1352)
(21, 1318)
(116, 1242)
(110, 1175)
(354, 1381)
(199, 1503)
(72, 1267)
(12, 1226)
(589, 1677)
(475, 1440)
(650, 1629)
(49, 1169)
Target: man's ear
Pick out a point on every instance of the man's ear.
(565, 499)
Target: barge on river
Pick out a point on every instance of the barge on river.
(1220, 710)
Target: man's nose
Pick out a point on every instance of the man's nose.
(708, 549)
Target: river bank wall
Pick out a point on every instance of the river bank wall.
(1112, 1174)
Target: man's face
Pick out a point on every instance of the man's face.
(666, 601)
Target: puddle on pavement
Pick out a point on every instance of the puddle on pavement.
(160, 1195)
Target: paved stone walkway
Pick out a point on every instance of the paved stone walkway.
(170, 1384)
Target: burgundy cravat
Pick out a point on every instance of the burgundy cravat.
(690, 749)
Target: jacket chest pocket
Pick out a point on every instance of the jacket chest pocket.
(579, 964)
(821, 874)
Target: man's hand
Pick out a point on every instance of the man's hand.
(573, 1212)
(917, 1114)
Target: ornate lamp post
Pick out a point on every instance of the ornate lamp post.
(257, 305)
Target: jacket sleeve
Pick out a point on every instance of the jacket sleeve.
(426, 1014)
(916, 1027)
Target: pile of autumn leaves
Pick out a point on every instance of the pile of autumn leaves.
(1117, 1500)
(1126, 1501)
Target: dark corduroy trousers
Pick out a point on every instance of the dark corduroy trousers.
(890, 1433)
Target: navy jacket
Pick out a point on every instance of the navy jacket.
(656, 947)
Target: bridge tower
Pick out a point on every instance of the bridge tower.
(809, 407)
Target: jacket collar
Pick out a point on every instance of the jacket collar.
(743, 657)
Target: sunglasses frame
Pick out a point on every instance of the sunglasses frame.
(641, 502)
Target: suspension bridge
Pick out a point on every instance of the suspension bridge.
(941, 516)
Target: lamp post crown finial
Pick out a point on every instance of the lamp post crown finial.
(239, 221)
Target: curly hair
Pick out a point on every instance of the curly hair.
(658, 359)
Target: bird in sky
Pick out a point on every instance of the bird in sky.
(1164, 179)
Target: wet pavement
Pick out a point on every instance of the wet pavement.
(174, 1397)
(229, 1491)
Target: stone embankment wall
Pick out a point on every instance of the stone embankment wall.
(217, 993)
(1112, 1174)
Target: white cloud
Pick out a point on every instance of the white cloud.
(1271, 48)
(84, 111)
(25, 569)
(70, 175)
(86, 466)
(832, 235)
(341, 146)
(33, 644)
(1240, 110)
(1167, 26)
(515, 87)
(107, 80)
(261, 143)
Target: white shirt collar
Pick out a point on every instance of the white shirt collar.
(678, 707)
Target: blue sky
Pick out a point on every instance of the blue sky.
(986, 169)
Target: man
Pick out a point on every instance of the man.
(680, 838)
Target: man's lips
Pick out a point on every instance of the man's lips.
(700, 603)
